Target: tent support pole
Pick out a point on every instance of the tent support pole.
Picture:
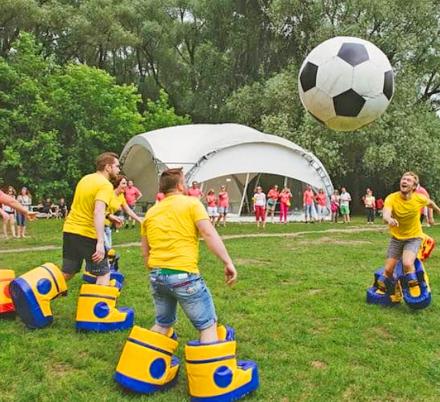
(244, 194)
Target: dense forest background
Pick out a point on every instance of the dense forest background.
(81, 76)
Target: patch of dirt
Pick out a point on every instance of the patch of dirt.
(330, 240)
(314, 291)
(318, 364)
(250, 261)
(59, 369)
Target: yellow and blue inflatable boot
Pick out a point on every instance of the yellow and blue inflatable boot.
(415, 286)
(147, 363)
(97, 310)
(33, 291)
(113, 260)
(90, 278)
(385, 291)
(7, 308)
(215, 374)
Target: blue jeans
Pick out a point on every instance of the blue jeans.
(192, 294)
(107, 237)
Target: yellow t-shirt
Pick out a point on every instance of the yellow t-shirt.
(89, 189)
(170, 227)
(407, 213)
(116, 202)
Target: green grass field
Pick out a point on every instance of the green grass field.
(298, 309)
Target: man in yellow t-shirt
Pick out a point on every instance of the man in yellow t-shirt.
(83, 231)
(170, 247)
(402, 213)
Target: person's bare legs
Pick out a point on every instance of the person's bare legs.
(12, 225)
(408, 258)
(67, 276)
(390, 264)
(209, 335)
(5, 227)
(103, 280)
(160, 329)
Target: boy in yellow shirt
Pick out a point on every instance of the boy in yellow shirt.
(402, 213)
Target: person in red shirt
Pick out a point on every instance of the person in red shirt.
(211, 200)
(194, 190)
(272, 199)
(223, 205)
(308, 199)
(285, 197)
(132, 195)
(321, 200)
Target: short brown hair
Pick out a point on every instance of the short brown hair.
(107, 158)
(169, 179)
(415, 176)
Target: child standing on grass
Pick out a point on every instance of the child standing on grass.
(223, 205)
(334, 206)
(260, 206)
(211, 200)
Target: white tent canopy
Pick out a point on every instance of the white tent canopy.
(215, 154)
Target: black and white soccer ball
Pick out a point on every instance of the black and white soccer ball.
(346, 83)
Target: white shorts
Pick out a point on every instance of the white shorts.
(223, 210)
(212, 211)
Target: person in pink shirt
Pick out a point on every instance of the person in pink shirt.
(132, 195)
(284, 197)
(223, 205)
(211, 201)
(321, 200)
(425, 212)
(194, 190)
(308, 199)
(159, 197)
(272, 199)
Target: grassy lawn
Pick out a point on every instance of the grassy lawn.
(298, 309)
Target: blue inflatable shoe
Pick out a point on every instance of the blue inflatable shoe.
(147, 363)
(33, 292)
(385, 291)
(415, 285)
(116, 279)
(215, 374)
(97, 310)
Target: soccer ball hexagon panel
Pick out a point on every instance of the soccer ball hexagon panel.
(346, 83)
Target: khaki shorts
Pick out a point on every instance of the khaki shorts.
(397, 247)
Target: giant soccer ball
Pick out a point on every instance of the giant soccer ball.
(346, 83)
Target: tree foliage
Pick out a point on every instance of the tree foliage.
(234, 60)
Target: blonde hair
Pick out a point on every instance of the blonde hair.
(416, 177)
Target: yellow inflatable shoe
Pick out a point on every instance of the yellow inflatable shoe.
(147, 363)
(215, 374)
(33, 292)
(97, 310)
(7, 308)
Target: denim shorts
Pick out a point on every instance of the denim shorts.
(397, 247)
(192, 294)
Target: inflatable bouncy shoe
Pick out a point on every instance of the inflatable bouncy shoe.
(97, 310)
(116, 277)
(7, 308)
(215, 374)
(412, 287)
(147, 363)
(415, 286)
(33, 292)
(384, 291)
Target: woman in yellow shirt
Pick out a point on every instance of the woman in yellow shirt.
(117, 203)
